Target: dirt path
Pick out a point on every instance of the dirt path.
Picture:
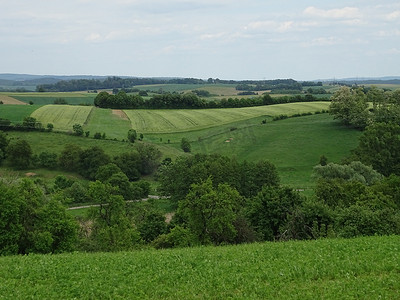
(120, 113)
(97, 205)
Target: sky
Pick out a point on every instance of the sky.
(253, 39)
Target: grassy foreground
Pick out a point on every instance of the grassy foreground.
(362, 268)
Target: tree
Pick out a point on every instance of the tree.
(112, 229)
(132, 135)
(355, 171)
(69, 157)
(150, 158)
(185, 145)
(379, 146)
(130, 164)
(269, 210)
(49, 127)
(78, 130)
(210, 212)
(3, 145)
(90, 160)
(31, 223)
(29, 123)
(19, 154)
(350, 106)
(105, 172)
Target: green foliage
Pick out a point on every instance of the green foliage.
(48, 160)
(90, 160)
(19, 154)
(247, 178)
(350, 106)
(30, 223)
(355, 171)
(112, 229)
(3, 145)
(178, 237)
(379, 146)
(269, 210)
(185, 145)
(69, 157)
(132, 135)
(210, 212)
(360, 268)
(78, 130)
(149, 157)
(130, 164)
(105, 172)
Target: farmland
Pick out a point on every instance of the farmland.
(48, 98)
(61, 116)
(163, 121)
(363, 268)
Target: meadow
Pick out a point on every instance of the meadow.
(74, 98)
(360, 268)
(16, 113)
(164, 121)
(63, 117)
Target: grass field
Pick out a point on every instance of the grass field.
(361, 268)
(164, 121)
(111, 122)
(16, 113)
(293, 145)
(63, 117)
(73, 98)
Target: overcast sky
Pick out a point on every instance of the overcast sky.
(253, 39)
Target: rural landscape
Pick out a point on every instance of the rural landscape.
(185, 188)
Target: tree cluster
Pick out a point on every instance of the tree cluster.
(190, 101)
(352, 106)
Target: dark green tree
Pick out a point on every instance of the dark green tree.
(210, 212)
(185, 145)
(130, 163)
(132, 135)
(78, 130)
(268, 212)
(19, 153)
(69, 157)
(379, 146)
(90, 160)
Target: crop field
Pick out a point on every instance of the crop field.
(361, 268)
(164, 121)
(114, 123)
(16, 113)
(73, 98)
(63, 117)
(10, 100)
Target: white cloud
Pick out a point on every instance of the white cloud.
(322, 41)
(393, 16)
(338, 13)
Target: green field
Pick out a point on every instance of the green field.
(16, 113)
(360, 268)
(164, 121)
(73, 98)
(63, 117)
(293, 145)
(105, 121)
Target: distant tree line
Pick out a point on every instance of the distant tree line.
(128, 83)
(190, 101)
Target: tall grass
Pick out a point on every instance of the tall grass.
(361, 268)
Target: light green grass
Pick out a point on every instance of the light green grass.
(164, 121)
(104, 121)
(293, 145)
(63, 117)
(361, 268)
(73, 98)
(16, 113)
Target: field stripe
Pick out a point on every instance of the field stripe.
(163, 121)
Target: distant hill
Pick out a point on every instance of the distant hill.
(366, 80)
